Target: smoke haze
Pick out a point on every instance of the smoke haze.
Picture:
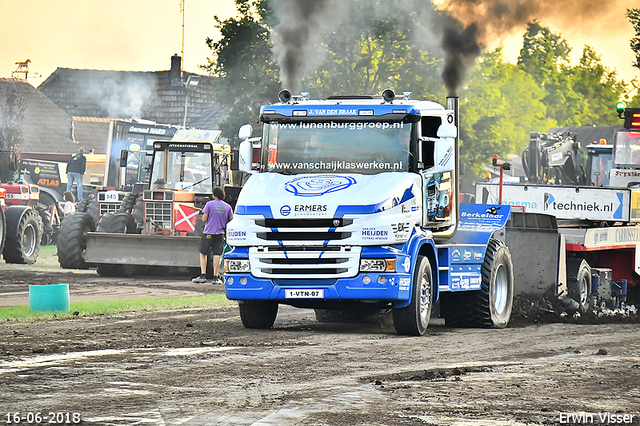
(296, 39)
(123, 95)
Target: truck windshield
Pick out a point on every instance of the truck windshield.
(190, 171)
(627, 149)
(357, 147)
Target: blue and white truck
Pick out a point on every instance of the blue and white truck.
(355, 206)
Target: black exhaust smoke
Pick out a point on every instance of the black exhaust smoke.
(472, 24)
(297, 38)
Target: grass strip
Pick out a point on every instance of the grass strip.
(106, 307)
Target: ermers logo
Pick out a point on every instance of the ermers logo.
(310, 208)
(315, 186)
(285, 210)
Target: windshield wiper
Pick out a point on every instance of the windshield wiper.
(197, 183)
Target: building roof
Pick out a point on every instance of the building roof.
(155, 95)
(45, 127)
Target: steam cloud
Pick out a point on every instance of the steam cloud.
(123, 95)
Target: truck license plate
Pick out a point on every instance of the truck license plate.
(304, 294)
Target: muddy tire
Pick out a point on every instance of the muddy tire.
(491, 305)
(72, 240)
(258, 314)
(47, 225)
(117, 223)
(579, 283)
(24, 232)
(127, 203)
(3, 229)
(90, 206)
(412, 320)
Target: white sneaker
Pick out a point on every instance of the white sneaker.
(199, 279)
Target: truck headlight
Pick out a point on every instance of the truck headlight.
(237, 265)
(377, 265)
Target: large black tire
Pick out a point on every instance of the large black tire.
(127, 203)
(491, 305)
(116, 223)
(258, 314)
(47, 225)
(3, 229)
(90, 206)
(412, 320)
(579, 283)
(72, 240)
(23, 239)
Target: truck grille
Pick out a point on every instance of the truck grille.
(159, 214)
(109, 207)
(304, 262)
(313, 231)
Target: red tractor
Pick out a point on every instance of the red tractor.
(21, 225)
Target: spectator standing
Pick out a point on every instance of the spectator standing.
(69, 206)
(75, 171)
(215, 215)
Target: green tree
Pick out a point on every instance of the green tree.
(11, 118)
(634, 18)
(381, 48)
(545, 57)
(246, 76)
(599, 87)
(499, 107)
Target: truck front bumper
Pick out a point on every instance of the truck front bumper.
(366, 286)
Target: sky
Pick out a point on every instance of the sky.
(142, 35)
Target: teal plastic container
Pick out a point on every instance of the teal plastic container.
(49, 297)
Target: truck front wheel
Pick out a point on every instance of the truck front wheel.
(413, 319)
(258, 314)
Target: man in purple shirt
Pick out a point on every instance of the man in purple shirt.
(215, 215)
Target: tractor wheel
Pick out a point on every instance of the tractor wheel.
(412, 320)
(72, 240)
(3, 229)
(127, 203)
(491, 305)
(25, 245)
(47, 225)
(117, 223)
(258, 314)
(579, 283)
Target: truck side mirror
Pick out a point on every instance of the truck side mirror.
(447, 130)
(245, 132)
(245, 157)
(124, 155)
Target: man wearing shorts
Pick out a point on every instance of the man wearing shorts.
(215, 215)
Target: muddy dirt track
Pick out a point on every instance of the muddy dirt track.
(201, 367)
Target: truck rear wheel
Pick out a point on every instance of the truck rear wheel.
(579, 283)
(72, 240)
(258, 314)
(23, 238)
(491, 305)
(413, 319)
